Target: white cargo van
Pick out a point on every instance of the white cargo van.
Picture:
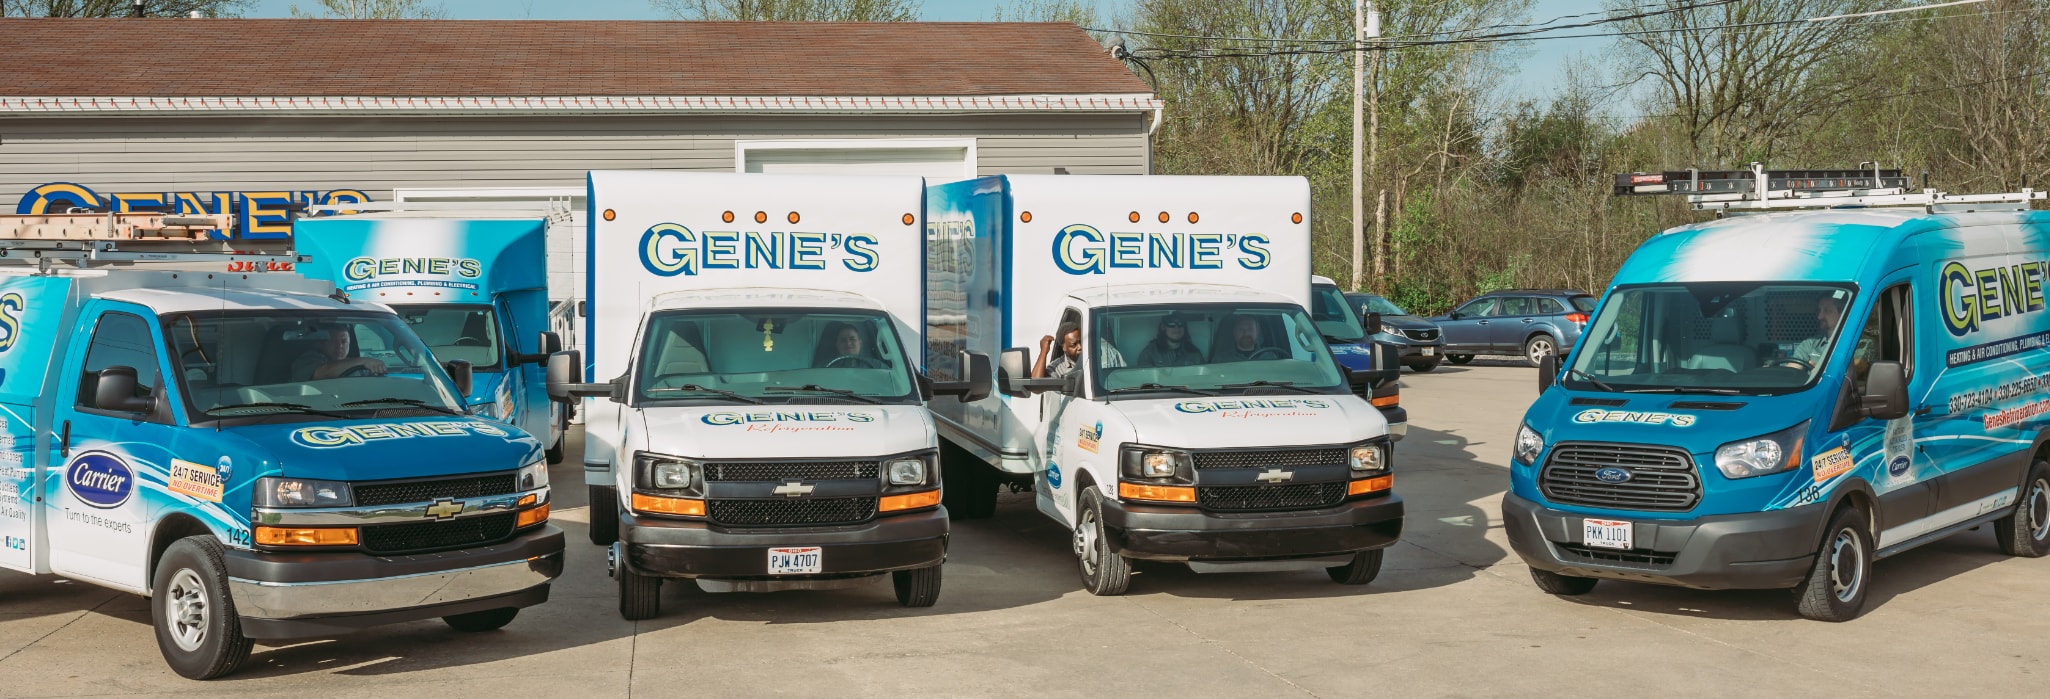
(1197, 415)
(763, 423)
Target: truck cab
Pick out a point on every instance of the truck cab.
(263, 458)
(762, 422)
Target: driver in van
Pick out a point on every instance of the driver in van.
(1246, 343)
(847, 349)
(1170, 346)
(331, 358)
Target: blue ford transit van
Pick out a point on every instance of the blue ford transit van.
(1778, 398)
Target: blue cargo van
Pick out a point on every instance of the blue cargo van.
(473, 285)
(1779, 398)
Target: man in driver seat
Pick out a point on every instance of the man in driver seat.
(849, 349)
(1246, 343)
(331, 358)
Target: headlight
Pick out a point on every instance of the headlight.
(1528, 445)
(302, 492)
(488, 411)
(907, 471)
(1156, 463)
(535, 475)
(1759, 456)
(668, 472)
(1392, 330)
(1367, 458)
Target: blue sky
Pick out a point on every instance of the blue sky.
(1542, 65)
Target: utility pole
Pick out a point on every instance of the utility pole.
(1359, 81)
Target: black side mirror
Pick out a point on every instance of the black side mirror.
(459, 372)
(1455, 315)
(116, 392)
(1373, 323)
(1886, 391)
(564, 368)
(1548, 371)
(976, 385)
(550, 344)
(1012, 368)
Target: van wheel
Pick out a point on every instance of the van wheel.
(555, 452)
(1836, 587)
(1459, 359)
(918, 587)
(2026, 532)
(1535, 348)
(1365, 566)
(640, 596)
(1562, 585)
(487, 620)
(197, 628)
(971, 486)
(1424, 366)
(604, 511)
(1104, 572)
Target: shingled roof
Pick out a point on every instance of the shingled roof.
(240, 58)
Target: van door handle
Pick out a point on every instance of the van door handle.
(64, 441)
(1924, 410)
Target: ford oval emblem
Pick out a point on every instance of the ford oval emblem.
(100, 479)
(1612, 474)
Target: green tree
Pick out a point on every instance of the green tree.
(792, 10)
(121, 8)
(371, 9)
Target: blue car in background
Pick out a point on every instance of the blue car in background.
(1528, 322)
(1420, 340)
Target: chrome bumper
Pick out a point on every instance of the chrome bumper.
(276, 600)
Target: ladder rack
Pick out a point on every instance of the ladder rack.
(1759, 189)
(152, 239)
(146, 225)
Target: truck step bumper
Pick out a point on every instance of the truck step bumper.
(321, 594)
(686, 549)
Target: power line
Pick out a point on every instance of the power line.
(1348, 42)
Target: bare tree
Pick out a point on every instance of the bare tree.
(1076, 12)
(121, 8)
(371, 9)
(792, 10)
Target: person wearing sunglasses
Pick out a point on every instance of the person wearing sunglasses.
(1170, 346)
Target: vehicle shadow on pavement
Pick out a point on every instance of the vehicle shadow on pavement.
(1447, 367)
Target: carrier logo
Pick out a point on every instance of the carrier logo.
(363, 269)
(100, 479)
(1973, 296)
(668, 249)
(11, 306)
(1674, 419)
(1612, 475)
(1081, 249)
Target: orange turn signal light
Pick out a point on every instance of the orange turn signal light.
(528, 499)
(1162, 493)
(1387, 401)
(912, 501)
(1370, 485)
(532, 517)
(329, 536)
(655, 504)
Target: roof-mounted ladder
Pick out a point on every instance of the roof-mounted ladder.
(87, 240)
(1759, 189)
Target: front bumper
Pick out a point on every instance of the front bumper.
(674, 548)
(1754, 550)
(1168, 533)
(304, 595)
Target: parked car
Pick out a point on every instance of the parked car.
(1529, 322)
(1419, 339)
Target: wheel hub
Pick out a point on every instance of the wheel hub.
(2039, 509)
(1846, 565)
(186, 611)
(1085, 541)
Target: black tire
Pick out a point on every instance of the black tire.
(1459, 359)
(1537, 346)
(640, 596)
(1562, 585)
(604, 511)
(487, 620)
(1841, 578)
(1104, 572)
(918, 587)
(555, 452)
(1424, 366)
(2026, 531)
(197, 628)
(1365, 566)
(970, 485)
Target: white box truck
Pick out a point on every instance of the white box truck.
(761, 423)
(1190, 410)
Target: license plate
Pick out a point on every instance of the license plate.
(1428, 351)
(796, 560)
(1607, 534)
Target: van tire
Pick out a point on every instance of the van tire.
(1424, 366)
(191, 582)
(1104, 572)
(1537, 346)
(640, 596)
(1365, 566)
(487, 620)
(1844, 560)
(1562, 585)
(970, 485)
(2025, 532)
(918, 587)
(555, 452)
(1459, 359)
(604, 512)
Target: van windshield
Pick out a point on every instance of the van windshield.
(1712, 337)
(1212, 348)
(773, 356)
(452, 331)
(1334, 315)
(316, 365)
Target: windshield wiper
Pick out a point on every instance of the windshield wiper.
(841, 392)
(279, 408)
(1159, 387)
(1688, 389)
(706, 389)
(1263, 383)
(409, 402)
(1592, 380)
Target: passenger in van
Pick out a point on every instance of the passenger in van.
(331, 358)
(849, 349)
(1170, 346)
(1247, 343)
(1060, 365)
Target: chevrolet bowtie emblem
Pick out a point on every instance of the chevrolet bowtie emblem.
(1274, 475)
(794, 489)
(444, 509)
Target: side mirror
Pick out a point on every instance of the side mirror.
(459, 372)
(550, 344)
(1455, 315)
(1013, 368)
(1548, 371)
(115, 392)
(1373, 324)
(564, 368)
(1886, 391)
(977, 385)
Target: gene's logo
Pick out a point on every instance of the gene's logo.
(11, 306)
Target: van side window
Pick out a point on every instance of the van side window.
(1888, 335)
(120, 339)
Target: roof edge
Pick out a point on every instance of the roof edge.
(573, 105)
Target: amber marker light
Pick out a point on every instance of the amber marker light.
(1296, 217)
(688, 507)
(1164, 217)
(1134, 217)
(1387, 401)
(761, 217)
(1192, 217)
(1161, 493)
(913, 501)
(910, 219)
(610, 214)
(793, 217)
(532, 517)
(1370, 485)
(528, 499)
(1025, 217)
(281, 536)
(726, 217)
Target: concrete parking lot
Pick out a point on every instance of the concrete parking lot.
(1454, 613)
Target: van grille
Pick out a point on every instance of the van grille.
(1253, 498)
(1630, 558)
(1269, 458)
(793, 512)
(413, 537)
(1662, 479)
(376, 494)
(763, 471)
